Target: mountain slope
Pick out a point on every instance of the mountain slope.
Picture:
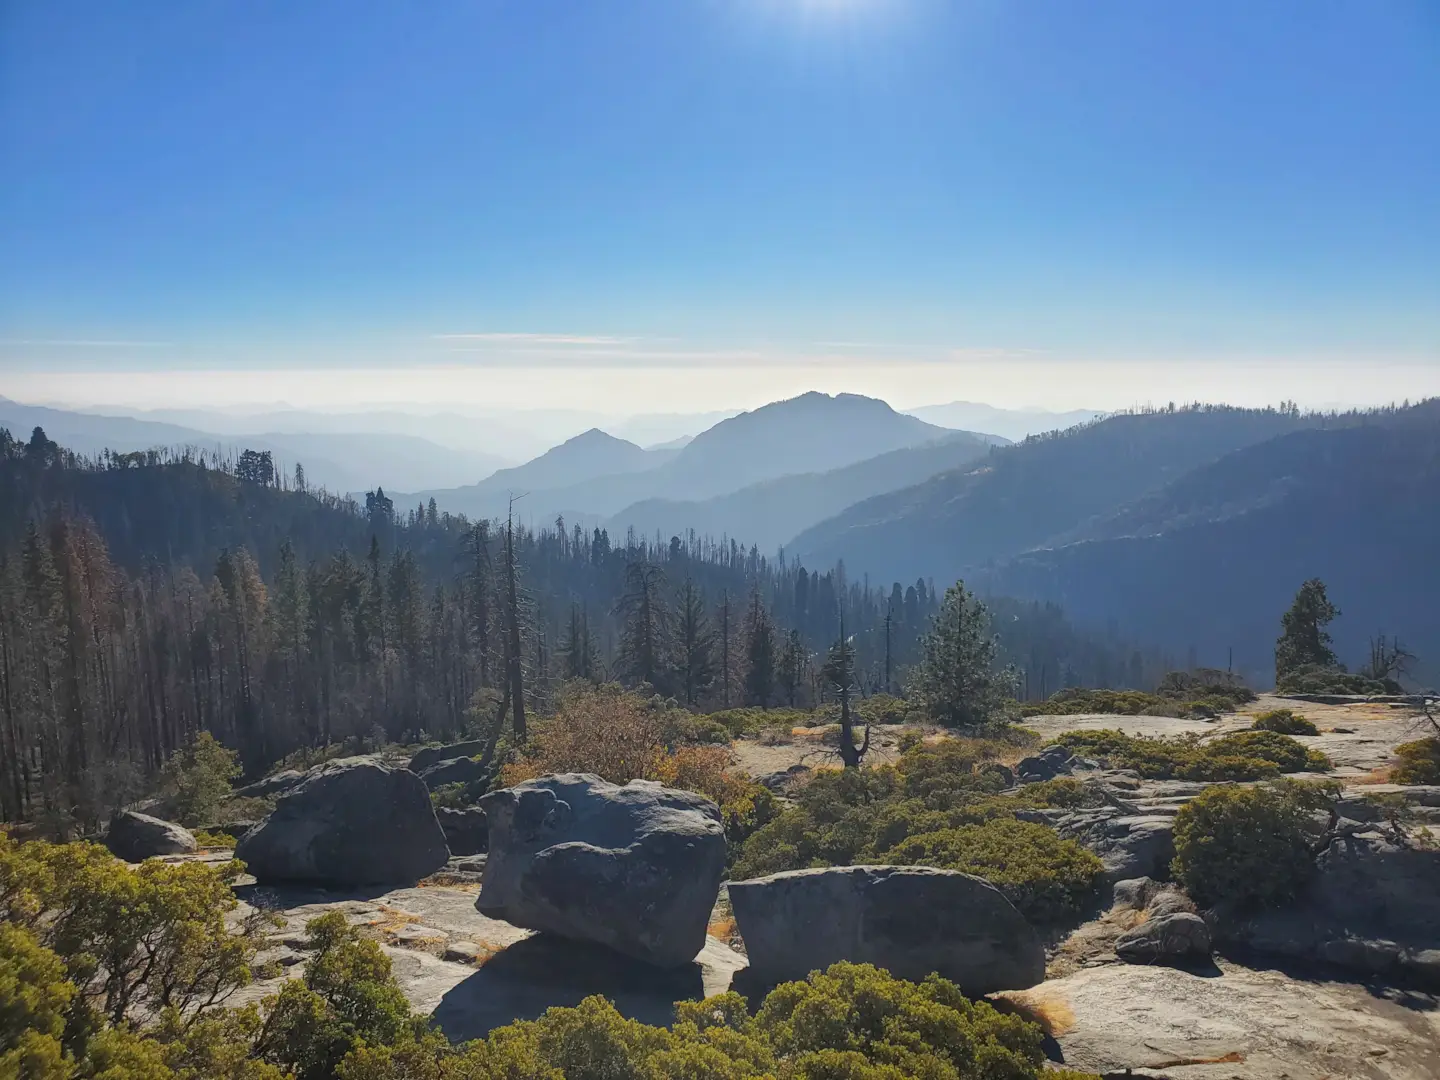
(770, 513)
(1013, 424)
(340, 461)
(1022, 496)
(1212, 560)
(810, 433)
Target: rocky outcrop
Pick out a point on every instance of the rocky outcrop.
(636, 867)
(278, 784)
(1373, 906)
(1129, 845)
(453, 771)
(354, 821)
(911, 920)
(466, 832)
(1051, 762)
(782, 781)
(1179, 937)
(136, 837)
(433, 755)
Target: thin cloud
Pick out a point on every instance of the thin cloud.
(84, 343)
(536, 339)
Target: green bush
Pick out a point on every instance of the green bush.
(1246, 755)
(851, 1022)
(1045, 877)
(1247, 846)
(1281, 750)
(1316, 679)
(1419, 762)
(199, 777)
(1285, 722)
(940, 805)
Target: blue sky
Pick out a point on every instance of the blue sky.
(853, 188)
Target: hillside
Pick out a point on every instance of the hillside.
(1211, 560)
(1022, 496)
(771, 513)
(338, 460)
(1012, 424)
(811, 433)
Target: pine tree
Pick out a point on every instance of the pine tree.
(759, 653)
(1303, 640)
(695, 645)
(645, 631)
(839, 672)
(578, 655)
(793, 662)
(956, 679)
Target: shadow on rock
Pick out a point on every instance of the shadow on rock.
(277, 897)
(522, 981)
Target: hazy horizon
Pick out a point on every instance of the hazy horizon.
(659, 207)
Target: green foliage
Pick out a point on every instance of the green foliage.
(1280, 750)
(200, 776)
(957, 680)
(852, 1022)
(1419, 762)
(1247, 846)
(1285, 722)
(1045, 877)
(1304, 641)
(151, 936)
(1204, 692)
(1246, 755)
(34, 993)
(938, 806)
(1319, 679)
(206, 839)
(454, 796)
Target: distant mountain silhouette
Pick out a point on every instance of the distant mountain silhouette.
(340, 461)
(1013, 424)
(770, 513)
(1210, 561)
(811, 433)
(1023, 496)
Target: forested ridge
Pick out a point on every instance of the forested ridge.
(147, 597)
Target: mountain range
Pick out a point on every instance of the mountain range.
(596, 475)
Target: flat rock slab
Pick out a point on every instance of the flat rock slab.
(1268, 1025)
(477, 973)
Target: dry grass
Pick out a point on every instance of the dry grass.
(391, 920)
(1383, 775)
(1050, 1011)
(443, 880)
(723, 929)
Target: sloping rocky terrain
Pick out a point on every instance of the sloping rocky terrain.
(1344, 983)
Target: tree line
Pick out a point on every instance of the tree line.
(328, 621)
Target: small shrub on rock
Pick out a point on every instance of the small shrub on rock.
(1245, 755)
(1285, 722)
(1047, 879)
(1281, 750)
(1247, 846)
(1419, 762)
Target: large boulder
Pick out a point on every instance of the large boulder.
(354, 821)
(136, 837)
(911, 920)
(1372, 906)
(1178, 937)
(462, 770)
(278, 784)
(1130, 845)
(466, 832)
(433, 755)
(635, 868)
(1049, 763)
